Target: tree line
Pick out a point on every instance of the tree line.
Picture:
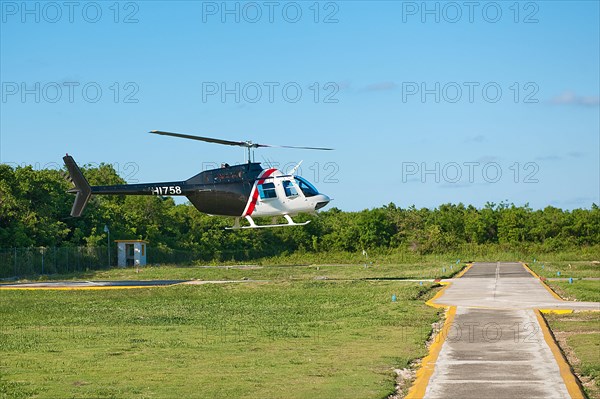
(34, 212)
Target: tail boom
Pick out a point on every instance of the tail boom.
(84, 191)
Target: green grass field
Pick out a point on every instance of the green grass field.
(295, 339)
(567, 268)
(312, 331)
(430, 270)
(578, 334)
(580, 290)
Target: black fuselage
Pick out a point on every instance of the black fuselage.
(224, 191)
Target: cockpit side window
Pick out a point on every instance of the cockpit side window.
(308, 189)
(289, 188)
(267, 190)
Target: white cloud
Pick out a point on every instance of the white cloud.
(344, 85)
(475, 139)
(570, 98)
(576, 202)
(381, 86)
(551, 157)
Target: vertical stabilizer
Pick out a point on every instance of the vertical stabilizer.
(82, 188)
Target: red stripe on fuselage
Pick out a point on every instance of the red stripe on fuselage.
(254, 195)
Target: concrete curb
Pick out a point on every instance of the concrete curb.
(463, 271)
(568, 375)
(550, 290)
(534, 274)
(425, 371)
(446, 284)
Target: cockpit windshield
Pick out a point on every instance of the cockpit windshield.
(308, 189)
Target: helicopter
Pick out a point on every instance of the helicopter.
(241, 191)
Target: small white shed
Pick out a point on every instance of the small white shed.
(131, 253)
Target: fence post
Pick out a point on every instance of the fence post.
(42, 260)
(15, 262)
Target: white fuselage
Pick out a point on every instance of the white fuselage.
(276, 194)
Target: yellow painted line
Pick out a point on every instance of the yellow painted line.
(529, 270)
(446, 285)
(554, 294)
(418, 388)
(556, 311)
(108, 287)
(437, 295)
(463, 271)
(566, 373)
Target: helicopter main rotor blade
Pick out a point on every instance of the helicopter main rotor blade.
(247, 144)
(295, 147)
(207, 139)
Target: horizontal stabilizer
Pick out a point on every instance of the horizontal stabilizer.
(82, 188)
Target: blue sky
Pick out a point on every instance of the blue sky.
(425, 105)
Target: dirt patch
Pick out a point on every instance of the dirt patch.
(561, 338)
(405, 377)
(588, 383)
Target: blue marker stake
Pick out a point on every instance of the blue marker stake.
(570, 280)
(558, 273)
(394, 298)
(420, 283)
(458, 261)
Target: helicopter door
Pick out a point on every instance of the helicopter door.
(267, 191)
(290, 189)
(268, 199)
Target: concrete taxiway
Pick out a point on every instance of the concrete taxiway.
(495, 343)
(112, 284)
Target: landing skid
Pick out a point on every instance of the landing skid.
(253, 225)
